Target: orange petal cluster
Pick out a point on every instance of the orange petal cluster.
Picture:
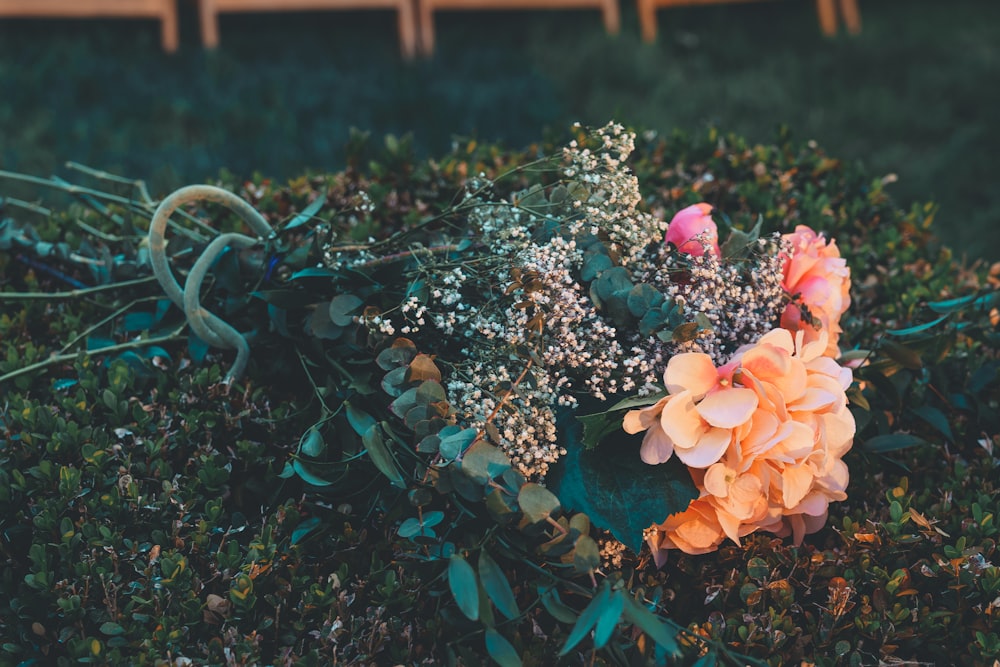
(816, 276)
(763, 437)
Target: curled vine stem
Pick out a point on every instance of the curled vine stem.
(211, 328)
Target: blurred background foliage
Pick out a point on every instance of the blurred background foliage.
(912, 95)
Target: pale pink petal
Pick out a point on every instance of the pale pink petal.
(728, 408)
(818, 344)
(698, 536)
(693, 371)
(681, 422)
(814, 504)
(745, 492)
(814, 400)
(814, 523)
(718, 478)
(708, 450)
(798, 526)
(656, 446)
(838, 431)
(795, 484)
(730, 525)
(779, 338)
(632, 423)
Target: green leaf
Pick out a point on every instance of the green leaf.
(657, 630)
(612, 485)
(453, 445)
(587, 620)
(536, 502)
(307, 476)
(951, 305)
(599, 425)
(307, 214)
(482, 461)
(611, 612)
(304, 529)
(555, 606)
(586, 554)
(112, 629)
(935, 418)
(314, 272)
(497, 587)
(312, 443)
(380, 455)
(739, 242)
(359, 420)
(137, 321)
(916, 329)
(501, 650)
(320, 325)
(892, 442)
(465, 589)
(904, 356)
(342, 309)
(409, 528)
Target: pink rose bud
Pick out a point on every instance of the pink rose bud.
(692, 230)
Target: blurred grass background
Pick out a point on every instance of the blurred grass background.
(916, 94)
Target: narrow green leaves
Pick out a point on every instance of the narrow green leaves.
(497, 587)
(463, 585)
(380, 455)
(501, 650)
(587, 619)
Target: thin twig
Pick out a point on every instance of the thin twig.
(91, 329)
(26, 205)
(61, 358)
(114, 178)
(73, 294)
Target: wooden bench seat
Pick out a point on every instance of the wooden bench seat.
(210, 9)
(163, 10)
(826, 10)
(609, 11)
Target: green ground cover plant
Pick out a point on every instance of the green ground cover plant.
(152, 513)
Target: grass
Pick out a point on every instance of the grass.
(911, 95)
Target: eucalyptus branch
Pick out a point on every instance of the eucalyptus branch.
(122, 347)
(76, 293)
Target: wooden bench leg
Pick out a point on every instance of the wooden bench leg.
(208, 17)
(426, 19)
(827, 12)
(169, 33)
(407, 29)
(612, 16)
(647, 19)
(852, 17)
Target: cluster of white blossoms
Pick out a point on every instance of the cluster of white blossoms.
(740, 300)
(613, 195)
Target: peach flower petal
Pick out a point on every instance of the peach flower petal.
(709, 448)
(681, 422)
(693, 371)
(728, 408)
(656, 446)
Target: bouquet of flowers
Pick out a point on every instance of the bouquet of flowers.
(566, 303)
